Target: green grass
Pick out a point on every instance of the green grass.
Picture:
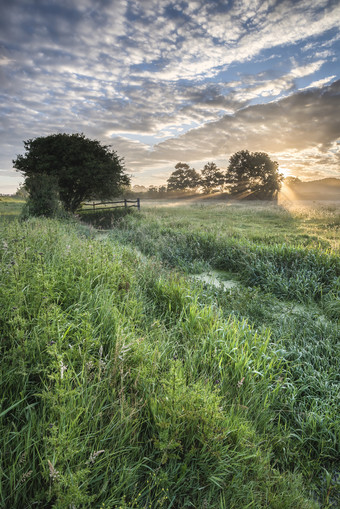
(268, 253)
(10, 207)
(307, 224)
(276, 272)
(103, 219)
(125, 383)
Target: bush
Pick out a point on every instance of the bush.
(43, 197)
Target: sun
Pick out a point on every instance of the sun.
(285, 171)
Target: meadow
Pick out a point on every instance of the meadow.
(10, 207)
(186, 357)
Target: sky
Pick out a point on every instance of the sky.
(174, 81)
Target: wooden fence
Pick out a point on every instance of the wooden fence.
(111, 205)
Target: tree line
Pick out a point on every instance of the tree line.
(249, 175)
(68, 169)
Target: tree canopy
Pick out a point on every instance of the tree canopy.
(211, 177)
(253, 174)
(183, 178)
(83, 169)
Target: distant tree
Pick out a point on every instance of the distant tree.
(254, 175)
(152, 191)
(211, 177)
(139, 189)
(292, 181)
(21, 192)
(183, 178)
(83, 169)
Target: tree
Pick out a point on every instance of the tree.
(292, 181)
(183, 178)
(253, 174)
(139, 189)
(82, 168)
(152, 191)
(211, 177)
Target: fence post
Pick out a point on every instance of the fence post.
(125, 203)
(138, 204)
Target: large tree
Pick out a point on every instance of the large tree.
(211, 178)
(253, 175)
(83, 169)
(183, 178)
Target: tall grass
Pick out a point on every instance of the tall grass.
(274, 277)
(10, 207)
(121, 387)
(287, 270)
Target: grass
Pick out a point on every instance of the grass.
(298, 223)
(103, 219)
(268, 253)
(10, 207)
(125, 383)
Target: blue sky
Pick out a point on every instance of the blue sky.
(168, 81)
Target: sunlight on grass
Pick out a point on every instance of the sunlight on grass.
(127, 383)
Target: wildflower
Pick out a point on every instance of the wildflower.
(22, 458)
(93, 457)
(25, 477)
(63, 368)
(54, 474)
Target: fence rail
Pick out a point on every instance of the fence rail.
(111, 205)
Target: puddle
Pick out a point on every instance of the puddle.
(296, 309)
(284, 310)
(218, 278)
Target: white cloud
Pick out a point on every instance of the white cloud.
(109, 67)
(322, 82)
(303, 123)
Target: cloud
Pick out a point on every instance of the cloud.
(118, 68)
(306, 122)
(322, 82)
(264, 85)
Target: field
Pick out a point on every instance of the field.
(187, 357)
(10, 207)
